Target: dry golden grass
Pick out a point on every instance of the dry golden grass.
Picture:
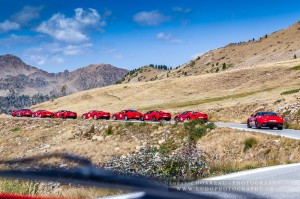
(246, 86)
(227, 152)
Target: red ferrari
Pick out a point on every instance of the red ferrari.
(14, 113)
(65, 114)
(96, 115)
(191, 115)
(265, 119)
(42, 114)
(156, 115)
(127, 114)
(23, 113)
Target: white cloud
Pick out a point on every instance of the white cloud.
(168, 38)
(182, 10)
(72, 29)
(75, 49)
(27, 14)
(55, 52)
(8, 25)
(150, 18)
(163, 36)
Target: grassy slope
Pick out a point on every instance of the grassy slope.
(246, 86)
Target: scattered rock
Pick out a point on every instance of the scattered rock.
(97, 138)
(161, 141)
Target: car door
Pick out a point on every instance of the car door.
(183, 116)
(148, 115)
(254, 118)
(122, 115)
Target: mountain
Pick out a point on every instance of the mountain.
(22, 85)
(16, 77)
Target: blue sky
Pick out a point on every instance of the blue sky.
(59, 35)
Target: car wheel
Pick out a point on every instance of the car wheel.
(279, 128)
(32, 115)
(63, 117)
(114, 117)
(95, 117)
(154, 119)
(176, 119)
(248, 124)
(257, 126)
(126, 117)
(271, 127)
(188, 118)
(142, 118)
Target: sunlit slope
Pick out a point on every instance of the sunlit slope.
(201, 92)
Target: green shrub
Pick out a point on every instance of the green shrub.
(109, 130)
(128, 124)
(18, 187)
(290, 92)
(196, 129)
(15, 129)
(249, 143)
(295, 68)
(210, 125)
(143, 124)
(286, 125)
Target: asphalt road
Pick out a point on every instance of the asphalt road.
(289, 133)
(274, 182)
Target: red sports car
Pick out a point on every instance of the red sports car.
(156, 115)
(191, 115)
(265, 119)
(65, 114)
(96, 115)
(42, 114)
(24, 113)
(14, 113)
(127, 114)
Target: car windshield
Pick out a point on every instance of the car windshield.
(268, 114)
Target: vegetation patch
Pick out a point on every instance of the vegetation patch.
(197, 129)
(18, 187)
(109, 130)
(16, 129)
(249, 143)
(290, 92)
(185, 165)
(295, 68)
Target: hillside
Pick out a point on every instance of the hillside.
(143, 74)
(278, 46)
(281, 45)
(229, 96)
